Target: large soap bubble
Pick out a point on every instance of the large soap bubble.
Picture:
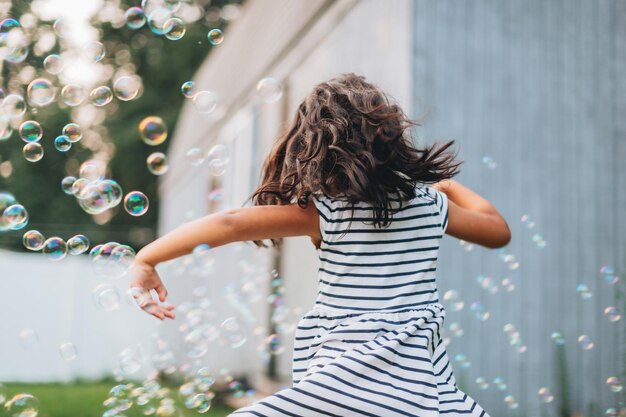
(127, 88)
(22, 405)
(269, 90)
(153, 130)
(31, 131)
(55, 248)
(40, 92)
(32, 152)
(135, 17)
(136, 203)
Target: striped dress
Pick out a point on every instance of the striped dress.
(371, 346)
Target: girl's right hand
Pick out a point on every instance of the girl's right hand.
(143, 278)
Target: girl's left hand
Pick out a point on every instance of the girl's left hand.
(143, 278)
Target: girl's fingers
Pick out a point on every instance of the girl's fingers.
(162, 292)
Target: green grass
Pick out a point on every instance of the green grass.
(85, 400)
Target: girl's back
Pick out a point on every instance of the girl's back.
(368, 268)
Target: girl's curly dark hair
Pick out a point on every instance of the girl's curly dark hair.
(349, 141)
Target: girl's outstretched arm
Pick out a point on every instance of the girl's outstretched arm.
(244, 224)
(472, 217)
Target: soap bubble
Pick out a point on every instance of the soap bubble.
(194, 155)
(33, 240)
(452, 297)
(269, 90)
(77, 244)
(482, 383)
(612, 313)
(95, 51)
(130, 361)
(215, 36)
(101, 96)
(73, 95)
(608, 274)
(135, 17)
(136, 203)
(463, 361)
(67, 183)
(40, 92)
(499, 383)
(29, 339)
(232, 333)
(6, 25)
(479, 311)
(274, 344)
(15, 217)
(545, 395)
(188, 89)
(127, 88)
(456, 329)
(174, 28)
(218, 153)
(31, 131)
(153, 130)
(112, 260)
(78, 186)
(13, 106)
(68, 351)
(488, 160)
(6, 130)
(157, 163)
(205, 101)
(157, 19)
(22, 405)
(557, 338)
(584, 292)
(61, 28)
(62, 143)
(585, 342)
(53, 64)
(55, 248)
(90, 170)
(511, 402)
(614, 383)
(106, 297)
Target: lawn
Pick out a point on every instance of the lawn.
(85, 400)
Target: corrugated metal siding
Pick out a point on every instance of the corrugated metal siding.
(539, 86)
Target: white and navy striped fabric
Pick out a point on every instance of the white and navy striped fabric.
(371, 345)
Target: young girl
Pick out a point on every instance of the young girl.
(346, 174)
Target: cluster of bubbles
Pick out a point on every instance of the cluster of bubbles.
(537, 239)
(508, 258)
(216, 159)
(55, 248)
(514, 337)
(112, 260)
(13, 216)
(96, 194)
